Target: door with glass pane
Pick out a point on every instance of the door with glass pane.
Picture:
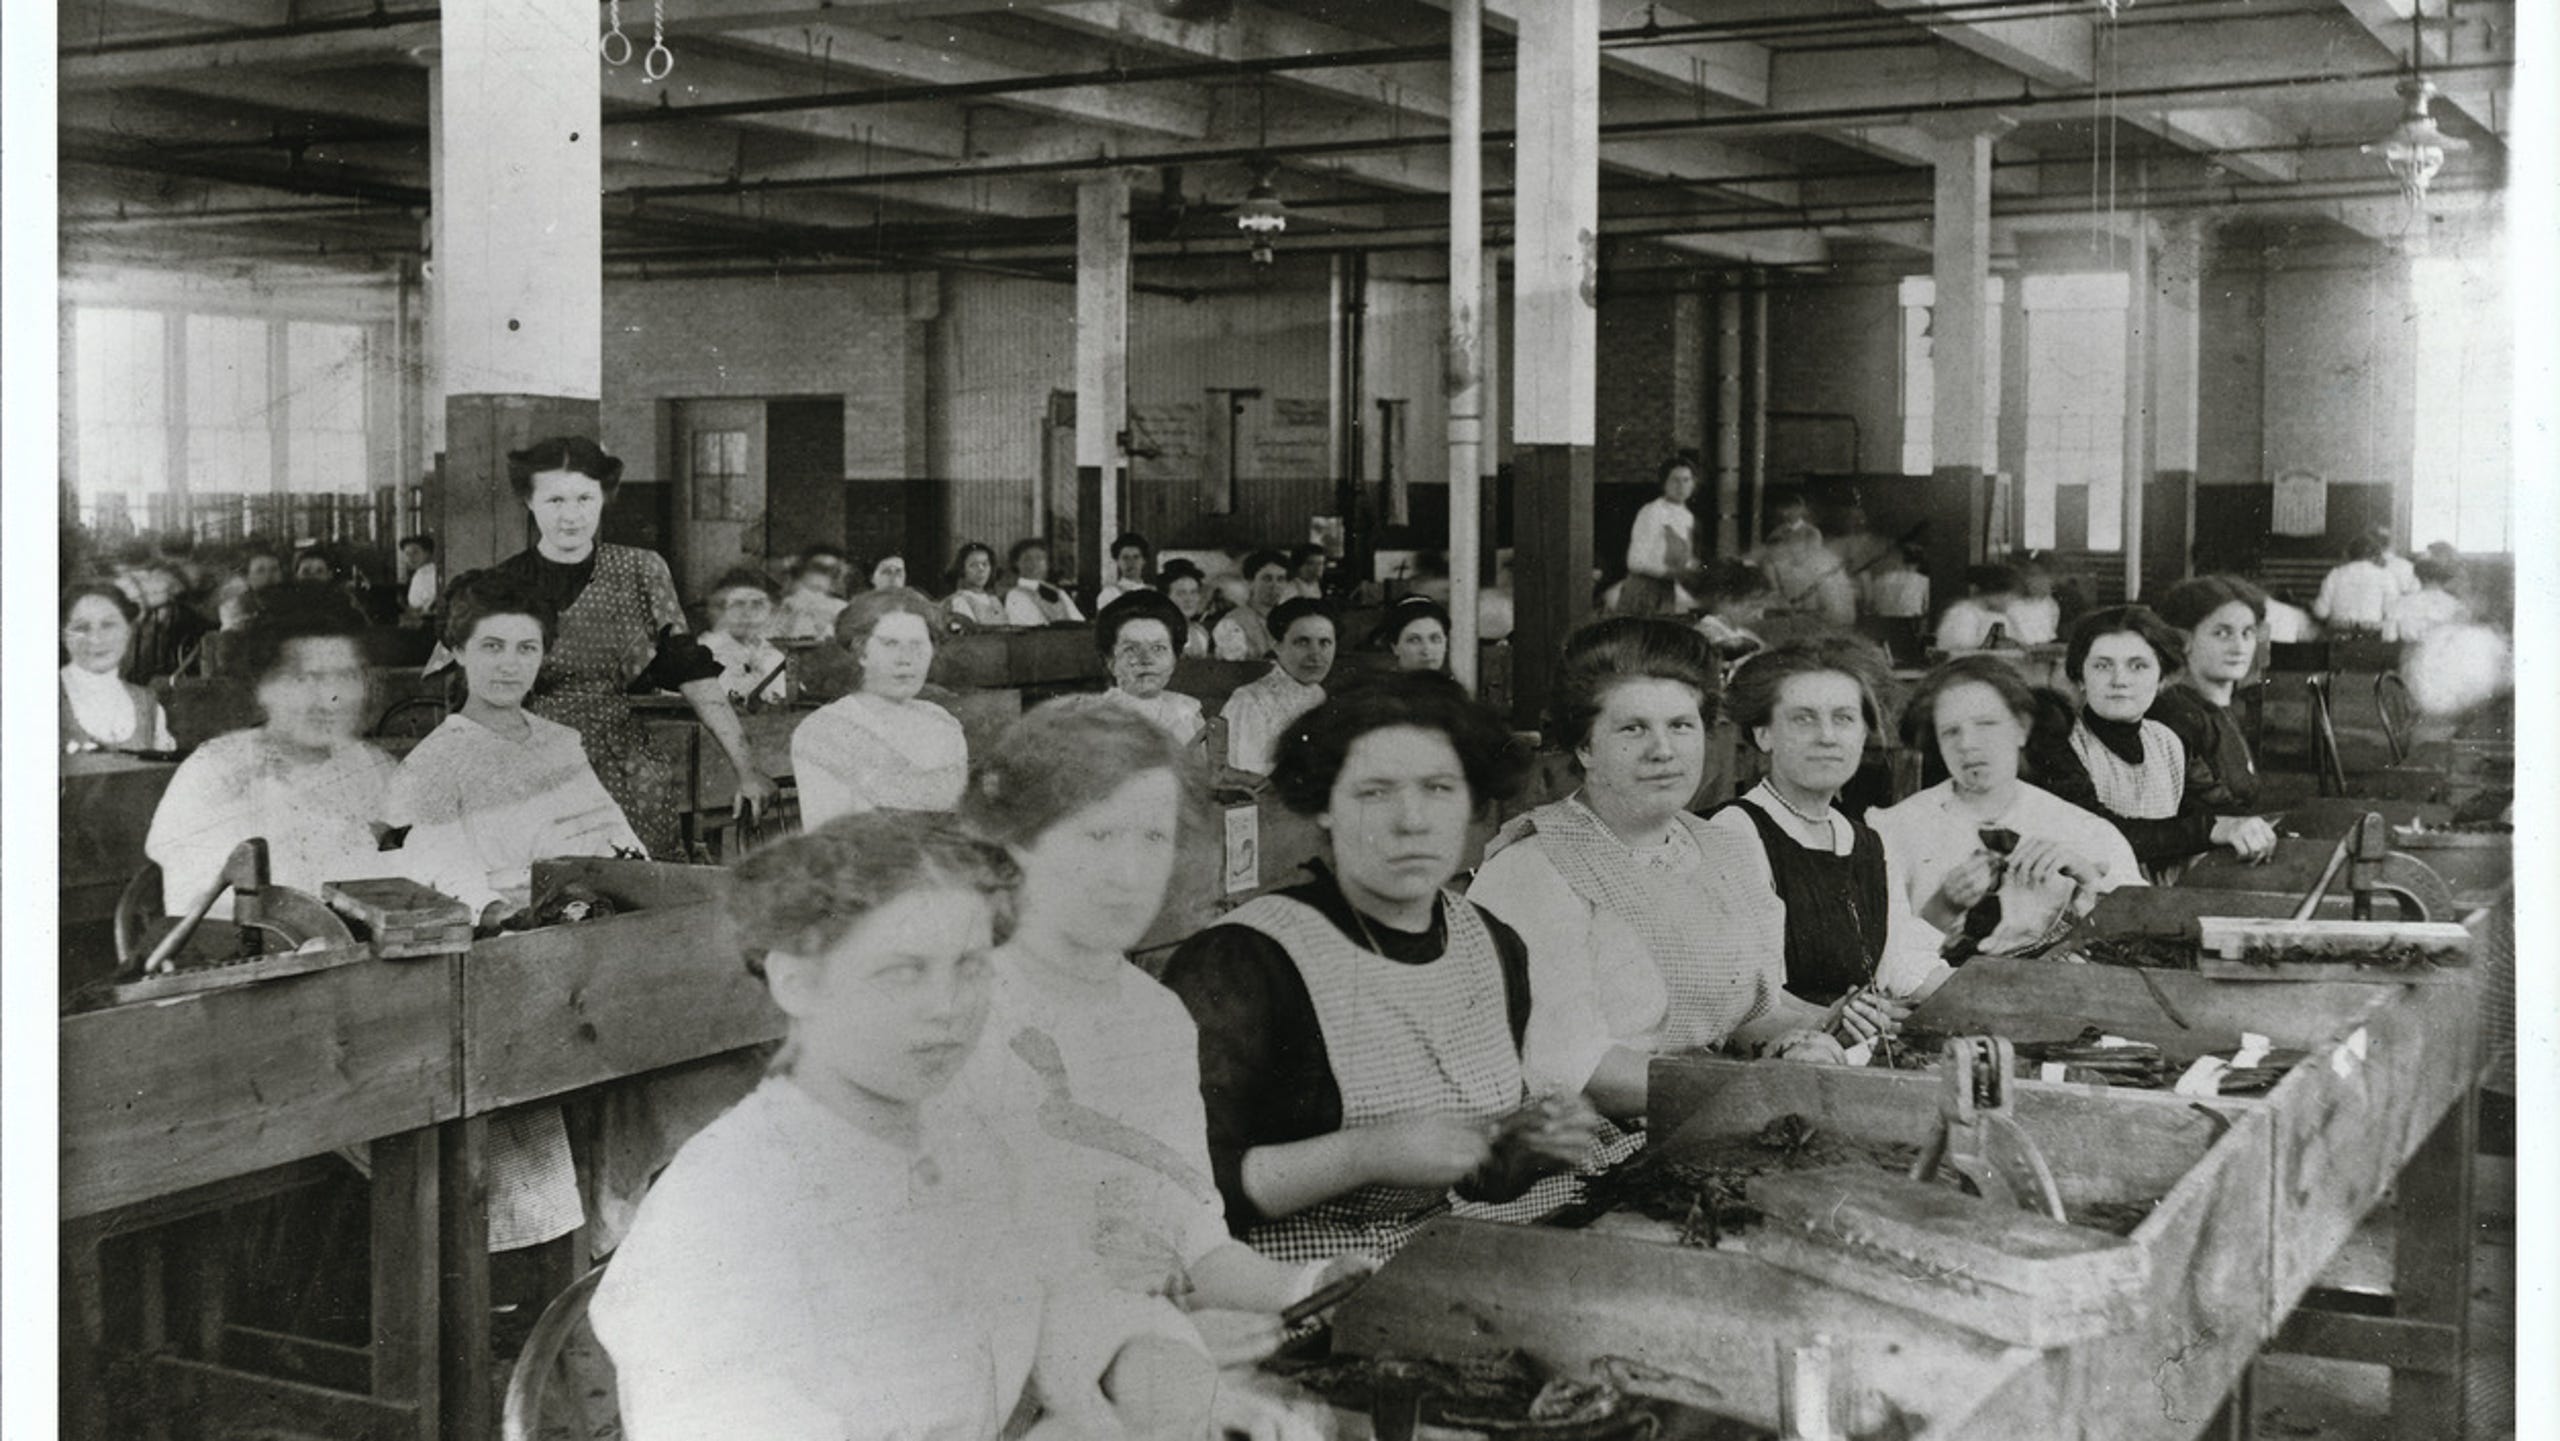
(719, 470)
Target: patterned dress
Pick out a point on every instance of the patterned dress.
(608, 637)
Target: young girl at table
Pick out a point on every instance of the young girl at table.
(1089, 1067)
(742, 611)
(883, 747)
(495, 787)
(846, 1252)
(101, 710)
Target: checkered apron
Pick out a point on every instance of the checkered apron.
(1403, 1041)
(2150, 791)
(1712, 988)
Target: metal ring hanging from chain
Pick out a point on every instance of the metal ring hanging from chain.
(613, 32)
(662, 61)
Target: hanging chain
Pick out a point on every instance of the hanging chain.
(662, 61)
(612, 34)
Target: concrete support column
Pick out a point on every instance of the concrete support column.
(1102, 368)
(2137, 399)
(1962, 364)
(2177, 289)
(1556, 290)
(1730, 541)
(1692, 336)
(1464, 381)
(518, 294)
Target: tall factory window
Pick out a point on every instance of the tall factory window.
(1919, 373)
(230, 429)
(325, 409)
(2464, 464)
(2074, 469)
(120, 402)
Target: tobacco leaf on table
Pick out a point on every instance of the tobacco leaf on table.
(2159, 953)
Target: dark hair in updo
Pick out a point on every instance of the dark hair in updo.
(1751, 698)
(1178, 569)
(1608, 653)
(1138, 605)
(477, 595)
(1295, 609)
(748, 577)
(2186, 604)
(277, 623)
(1312, 752)
(957, 577)
(1254, 563)
(803, 894)
(574, 453)
(80, 590)
(1402, 615)
(1058, 759)
(2168, 646)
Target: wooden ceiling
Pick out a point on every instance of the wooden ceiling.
(241, 133)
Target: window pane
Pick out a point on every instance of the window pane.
(121, 402)
(2075, 406)
(2464, 465)
(229, 449)
(325, 408)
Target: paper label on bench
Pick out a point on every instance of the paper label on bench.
(2052, 1071)
(2351, 1054)
(2115, 1043)
(1861, 1053)
(1244, 850)
(2204, 1078)
(2253, 1049)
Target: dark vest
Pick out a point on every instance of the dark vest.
(1836, 906)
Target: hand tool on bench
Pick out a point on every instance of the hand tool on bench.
(1978, 1135)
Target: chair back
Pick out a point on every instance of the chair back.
(529, 1380)
(138, 905)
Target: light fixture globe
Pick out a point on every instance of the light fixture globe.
(2415, 149)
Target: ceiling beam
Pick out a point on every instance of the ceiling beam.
(2469, 38)
(1734, 71)
(712, 78)
(943, 56)
(272, 54)
(1254, 33)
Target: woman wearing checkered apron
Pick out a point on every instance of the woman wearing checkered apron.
(1631, 946)
(1360, 1034)
(2133, 770)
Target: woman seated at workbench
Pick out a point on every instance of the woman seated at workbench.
(495, 788)
(1247, 632)
(1089, 1067)
(973, 600)
(1805, 880)
(1033, 601)
(101, 710)
(1630, 953)
(304, 780)
(883, 747)
(1360, 1034)
(1416, 633)
(1996, 866)
(742, 605)
(2220, 618)
(2132, 770)
(1141, 636)
(1183, 583)
(847, 1252)
(1261, 710)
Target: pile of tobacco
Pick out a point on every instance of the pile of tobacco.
(2403, 956)
(2159, 953)
(1705, 1191)
(1509, 1395)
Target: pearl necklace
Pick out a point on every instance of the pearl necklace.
(1823, 820)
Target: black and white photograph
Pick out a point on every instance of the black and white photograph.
(1280, 720)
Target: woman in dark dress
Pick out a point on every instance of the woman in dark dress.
(2222, 617)
(1360, 1034)
(621, 624)
(1806, 879)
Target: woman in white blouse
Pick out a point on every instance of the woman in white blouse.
(1033, 601)
(101, 710)
(1993, 864)
(972, 580)
(1141, 637)
(883, 747)
(1663, 543)
(1630, 953)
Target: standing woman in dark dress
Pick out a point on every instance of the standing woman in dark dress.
(1796, 875)
(2221, 617)
(620, 623)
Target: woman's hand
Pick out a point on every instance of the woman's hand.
(1266, 1408)
(1865, 1015)
(756, 791)
(1341, 1268)
(2250, 836)
(1237, 1338)
(1968, 882)
(2037, 860)
(1428, 1151)
(1812, 1047)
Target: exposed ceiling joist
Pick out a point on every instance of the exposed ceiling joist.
(937, 58)
(1733, 71)
(1253, 33)
(2470, 36)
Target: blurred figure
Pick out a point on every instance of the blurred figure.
(742, 606)
(2034, 615)
(1980, 620)
(1897, 588)
(817, 595)
(2414, 617)
(1662, 544)
(418, 553)
(2357, 596)
(1307, 565)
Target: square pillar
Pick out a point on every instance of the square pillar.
(1963, 366)
(1102, 370)
(1556, 298)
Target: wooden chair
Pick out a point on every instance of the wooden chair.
(529, 1382)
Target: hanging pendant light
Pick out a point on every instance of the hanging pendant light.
(2415, 149)
(1261, 216)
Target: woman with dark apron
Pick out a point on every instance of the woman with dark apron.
(620, 623)
(1819, 887)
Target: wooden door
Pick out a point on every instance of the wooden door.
(718, 462)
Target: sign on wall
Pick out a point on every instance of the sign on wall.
(2301, 504)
